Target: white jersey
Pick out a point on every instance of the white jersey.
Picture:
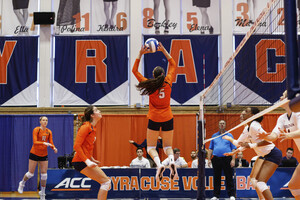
(289, 124)
(137, 163)
(179, 162)
(195, 163)
(250, 135)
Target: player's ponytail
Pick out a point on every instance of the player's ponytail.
(149, 86)
(87, 114)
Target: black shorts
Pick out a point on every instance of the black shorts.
(165, 126)
(79, 165)
(275, 156)
(37, 158)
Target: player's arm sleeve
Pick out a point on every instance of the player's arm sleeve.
(35, 136)
(171, 71)
(136, 72)
(136, 144)
(51, 140)
(81, 135)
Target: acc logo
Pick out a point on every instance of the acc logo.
(77, 183)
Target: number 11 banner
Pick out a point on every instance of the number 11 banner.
(91, 16)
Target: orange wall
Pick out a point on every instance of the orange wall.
(113, 132)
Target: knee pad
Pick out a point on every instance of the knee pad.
(165, 149)
(295, 192)
(254, 182)
(44, 176)
(262, 186)
(29, 175)
(149, 148)
(106, 185)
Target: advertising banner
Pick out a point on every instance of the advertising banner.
(140, 183)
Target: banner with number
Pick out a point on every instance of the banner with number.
(260, 67)
(17, 17)
(91, 70)
(72, 16)
(18, 71)
(110, 17)
(161, 18)
(197, 65)
(201, 17)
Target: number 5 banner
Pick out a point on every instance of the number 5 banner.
(201, 16)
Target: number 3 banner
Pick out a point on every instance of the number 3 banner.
(245, 13)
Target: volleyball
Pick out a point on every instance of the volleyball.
(152, 44)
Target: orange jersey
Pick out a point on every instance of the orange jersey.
(84, 142)
(39, 137)
(159, 101)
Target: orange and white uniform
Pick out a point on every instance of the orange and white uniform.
(39, 137)
(159, 102)
(84, 142)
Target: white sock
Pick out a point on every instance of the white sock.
(157, 161)
(171, 158)
(43, 189)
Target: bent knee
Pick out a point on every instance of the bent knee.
(106, 185)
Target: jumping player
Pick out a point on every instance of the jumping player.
(160, 115)
(83, 160)
(42, 138)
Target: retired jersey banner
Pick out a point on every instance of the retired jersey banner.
(91, 70)
(161, 17)
(18, 71)
(17, 17)
(197, 65)
(201, 17)
(260, 68)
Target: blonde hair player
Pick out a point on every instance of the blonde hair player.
(160, 114)
(269, 156)
(42, 138)
(83, 160)
(288, 127)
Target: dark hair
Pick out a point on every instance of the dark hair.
(139, 148)
(43, 117)
(151, 85)
(290, 148)
(87, 113)
(175, 150)
(255, 110)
